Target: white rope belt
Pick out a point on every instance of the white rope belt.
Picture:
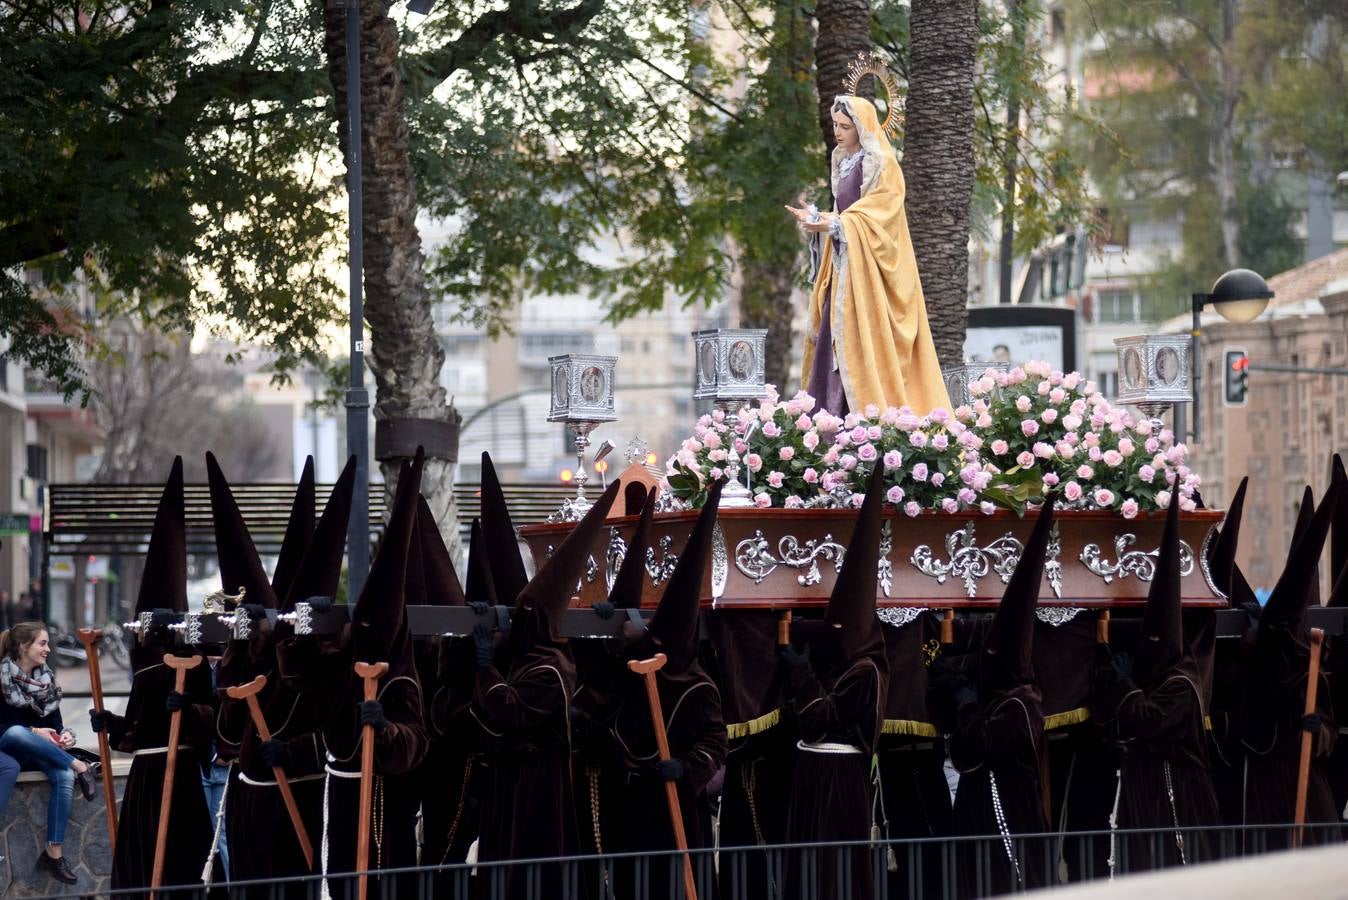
(329, 773)
(219, 829)
(255, 782)
(827, 747)
(155, 751)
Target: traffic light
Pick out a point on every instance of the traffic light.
(1237, 376)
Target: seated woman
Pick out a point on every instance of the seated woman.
(31, 731)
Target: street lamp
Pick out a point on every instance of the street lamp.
(1238, 296)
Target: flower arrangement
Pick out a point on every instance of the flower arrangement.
(1029, 433)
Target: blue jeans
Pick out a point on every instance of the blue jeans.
(9, 773)
(35, 751)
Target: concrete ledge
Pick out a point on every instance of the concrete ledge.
(23, 837)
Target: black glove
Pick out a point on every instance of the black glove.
(1123, 666)
(275, 753)
(320, 604)
(1311, 723)
(478, 607)
(484, 641)
(604, 609)
(372, 713)
(669, 769)
(175, 701)
(98, 721)
(162, 617)
(965, 694)
(253, 611)
(946, 676)
(794, 658)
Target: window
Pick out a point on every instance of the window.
(1116, 306)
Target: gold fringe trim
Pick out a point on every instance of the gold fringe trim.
(1207, 723)
(1063, 719)
(753, 726)
(909, 727)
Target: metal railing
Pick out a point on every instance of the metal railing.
(950, 868)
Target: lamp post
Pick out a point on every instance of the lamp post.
(357, 397)
(1238, 296)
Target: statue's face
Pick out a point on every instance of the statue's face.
(845, 133)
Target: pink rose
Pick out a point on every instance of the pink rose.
(1094, 454)
(1025, 459)
(1051, 479)
(1023, 403)
(1113, 459)
(940, 441)
(987, 507)
(871, 410)
(1151, 445)
(1126, 447)
(794, 502)
(1071, 422)
(1086, 472)
(966, 496)
(762, 501)
(1064, 449)
(717, 415)
(1162, 499)
(803, 423)
(810, 476)
(712, 441)
(715, 473)
(1000, 447)
(950, 505)
(937, 479)
(893, 459)
(1146, 473)
(1129, 508)
(786, 454)
(895, 495)
(1029, 427)
(770, 429)
(1043, 388)
(873, 433)
(920, 472)
(1072, 491)
(857, 500)
(1057, 395)
(858, 434)
(1071, 380)
(848, 462)
(1103, 497)
(810, 440)
(775, 479)
(940, 415)
(1049, 416)
(911, 509)
(740, 446)
(831, 456)
(718, 456)
(867, 452)
(754, 462)
(1042, 450)
(918, 439)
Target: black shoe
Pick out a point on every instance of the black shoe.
(57, 868)
(88, 780)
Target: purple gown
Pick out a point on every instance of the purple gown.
(826, 384)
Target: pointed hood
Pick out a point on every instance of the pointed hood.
(320, 571)
(635, 497)
(240, 568)
(851, 607)
(631, 577)
(379, 620)
(1160, 644)
(673, 630)
(481, 588)
(1222, 557)
(1298, 585)
(442, 586)
(1007, 650)
(1305, 511)
(538, 609)
(1338, 540)
(507, 566)
(299, 531)
(163, 583)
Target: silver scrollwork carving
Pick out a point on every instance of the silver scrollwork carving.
(1057, 615)
(898, 616)
(662, 566)
(1139, 563)
(968, 561)
(720, 562)
(885, 569)
(756, 560)
(1052, 562)
(614, 556)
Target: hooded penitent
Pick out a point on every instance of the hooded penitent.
(240, 567)
(1298, 586)
(1161, 644)
(673, 630)
(480, 588)
(1222, 558)
(433, 563)
(1006, 658)
(507, 566)
(1338, 539)
(299, 531)
(538, 609)
(851, 606)
(319, 572)
(163, 584)
(631, 577)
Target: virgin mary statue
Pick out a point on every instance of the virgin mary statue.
(868, 341)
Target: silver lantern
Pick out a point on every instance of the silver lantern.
(729, 371)
(958, 378)
(1154, 373)
(582, 397)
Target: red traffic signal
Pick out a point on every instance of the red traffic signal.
(1236, 377)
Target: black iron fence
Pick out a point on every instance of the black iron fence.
(922, 869)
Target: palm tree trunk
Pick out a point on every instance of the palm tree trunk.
(405, 352)
(939, 161)
(844, 32)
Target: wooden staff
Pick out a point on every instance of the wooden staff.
(248, 692)
(370, 674)
(180, 665)
(647, 668)
(1304, 770)
(784, 629)
(90, 637)
(948, 627)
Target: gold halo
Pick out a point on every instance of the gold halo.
(868, 63)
